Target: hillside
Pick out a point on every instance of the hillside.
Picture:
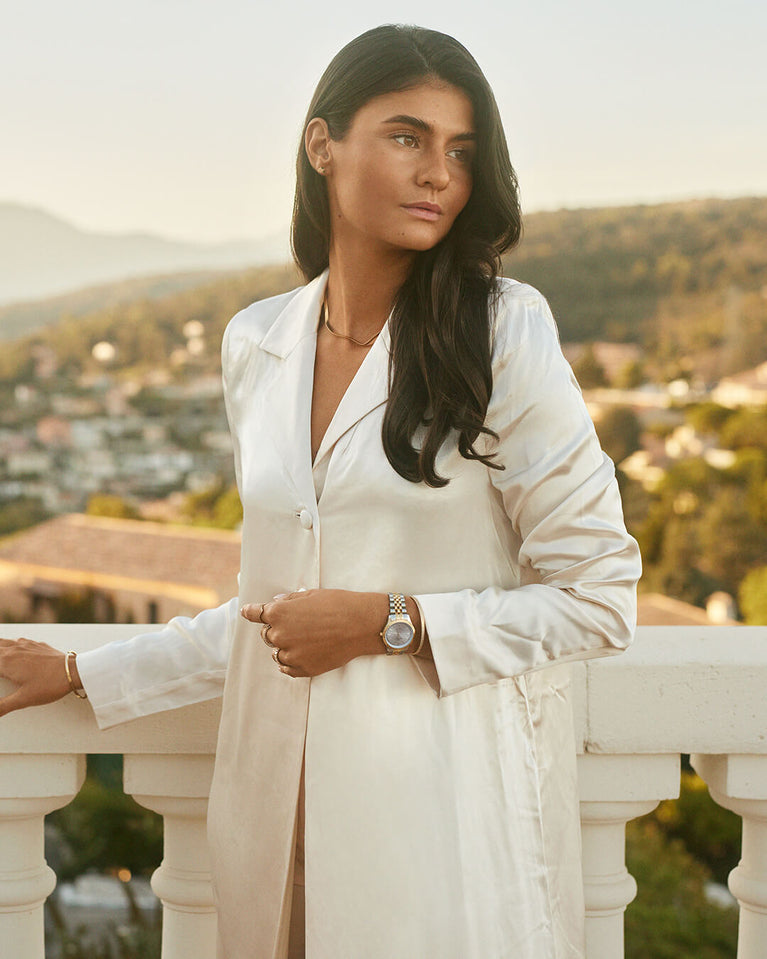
(44, 255)
(21, 319)
(144, 332)
(681, 279)
(686, 281)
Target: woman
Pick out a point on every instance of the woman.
(420, 478)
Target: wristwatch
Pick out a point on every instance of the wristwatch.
(398, 632)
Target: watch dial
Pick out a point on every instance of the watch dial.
(399, 635)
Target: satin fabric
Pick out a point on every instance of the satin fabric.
(441, 815)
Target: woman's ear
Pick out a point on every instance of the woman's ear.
(316, 143)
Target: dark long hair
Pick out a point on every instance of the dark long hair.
(440, 374)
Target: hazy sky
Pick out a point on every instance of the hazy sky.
(182, 116)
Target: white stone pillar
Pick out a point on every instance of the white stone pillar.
(177, 787)
(30, 787)
(614, 789)
(739, 782)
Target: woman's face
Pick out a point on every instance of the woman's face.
(403, 171)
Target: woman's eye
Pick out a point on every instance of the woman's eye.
(460, 153)
(406, 139)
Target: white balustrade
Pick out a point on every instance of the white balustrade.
(697, 690)
(30, 787)
(614, 789)
(177, 787)
(739, 783)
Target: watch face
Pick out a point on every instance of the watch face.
(399, 635)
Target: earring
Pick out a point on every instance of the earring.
(321, 170)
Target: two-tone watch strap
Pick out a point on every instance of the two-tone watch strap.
(397, 605)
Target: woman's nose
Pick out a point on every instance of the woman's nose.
(433, 170)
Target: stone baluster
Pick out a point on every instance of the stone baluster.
(739, 782)
(30, 787)
(177, 787)
(614, 789)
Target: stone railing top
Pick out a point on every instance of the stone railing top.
(681, 689)
(68, 726)
(678, 689)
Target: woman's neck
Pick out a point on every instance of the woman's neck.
(361, 288)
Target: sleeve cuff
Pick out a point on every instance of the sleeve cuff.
(445, 617)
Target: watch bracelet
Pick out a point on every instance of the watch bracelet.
(398, 607)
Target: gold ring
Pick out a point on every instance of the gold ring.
(264, 630)
(261, 613)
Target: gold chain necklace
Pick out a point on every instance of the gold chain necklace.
(342, 336)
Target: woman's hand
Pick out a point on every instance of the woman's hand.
(37, 669)
(317, 630)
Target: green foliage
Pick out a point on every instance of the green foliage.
(107, 504)
(671, 917)
(753, 597)
(679, 278)
(707, 417)
(106, 830)
(21, 513)
(745, 428)
(218, 505)
(619, 432)
(731, 539)
(705, 528)
(710, 833)
(124, 941)
(635, 499)
(630, 376)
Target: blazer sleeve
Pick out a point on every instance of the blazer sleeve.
(182, 663)
(578, 565)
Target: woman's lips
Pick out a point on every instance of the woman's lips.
(424, 211)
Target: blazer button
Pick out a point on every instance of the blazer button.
(305, 519)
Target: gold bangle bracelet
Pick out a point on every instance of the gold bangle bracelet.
(80, 693)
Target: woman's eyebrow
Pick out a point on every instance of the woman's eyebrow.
(420, 124)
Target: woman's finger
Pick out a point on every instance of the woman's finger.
(254, 612)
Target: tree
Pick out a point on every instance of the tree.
(588, 370)
(105, 504)
(707, 417)
(671, 918)
(732, 541)
(630, 376)
(746, 428)
(216, 505)
(619, 432)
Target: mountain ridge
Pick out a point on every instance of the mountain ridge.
(44, 254)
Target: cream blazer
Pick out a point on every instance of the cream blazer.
(441, 808)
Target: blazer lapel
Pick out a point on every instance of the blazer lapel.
(292, 340)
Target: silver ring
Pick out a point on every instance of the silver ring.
(264, 631)
(261, 613)
(276, 657)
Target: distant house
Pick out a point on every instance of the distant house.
(743, 389)
(115, 570)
